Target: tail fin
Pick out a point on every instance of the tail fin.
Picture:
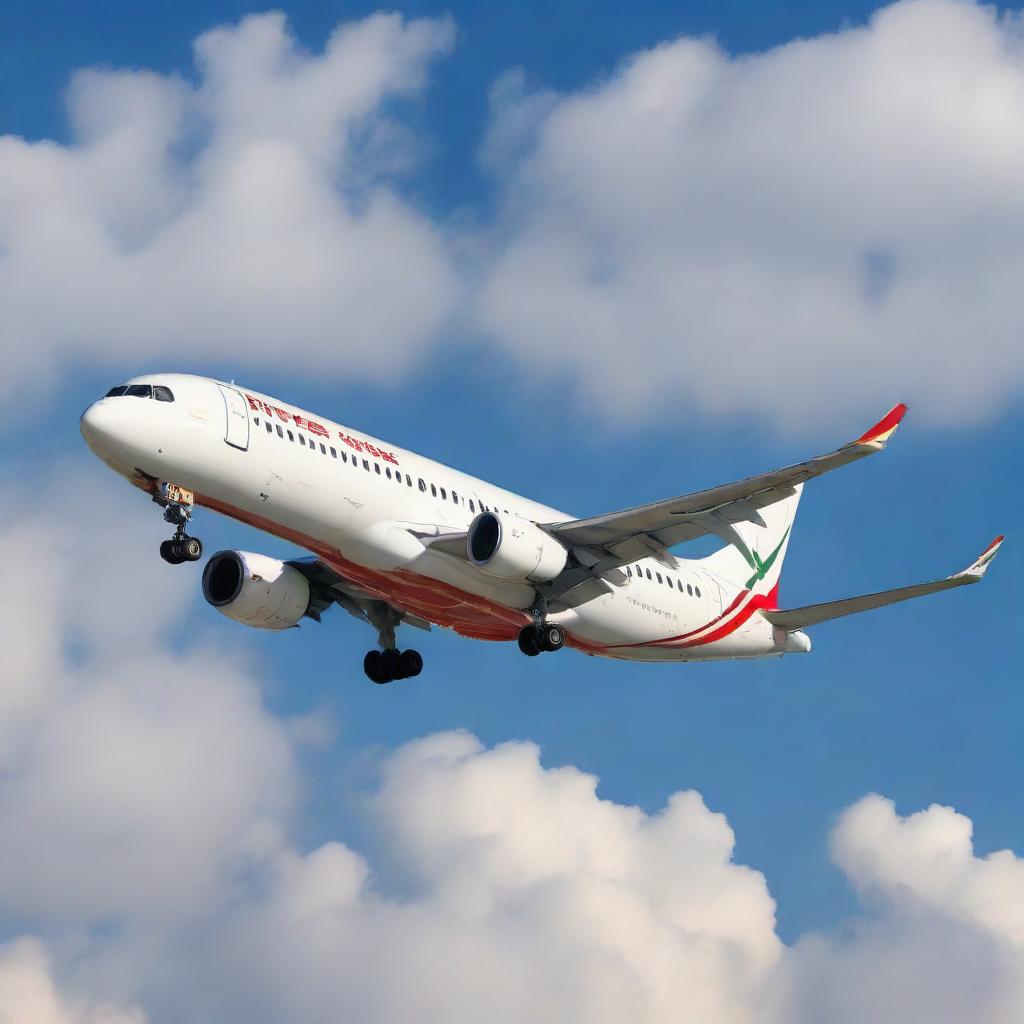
(758, 567)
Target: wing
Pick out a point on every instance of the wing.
(810, 615)
(634, 532)
(326, 587)
(599, 545)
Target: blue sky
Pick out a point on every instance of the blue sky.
(920, 702)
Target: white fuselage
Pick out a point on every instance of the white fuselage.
(365, 508)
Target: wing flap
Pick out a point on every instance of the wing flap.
(810, 615)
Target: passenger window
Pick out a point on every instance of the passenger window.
(649, 574)
(696, 591)
(408, 479)
(280, 432)
(658, 574)
(376, 468)
(291, 437)
(423, 486)
(669, 582)
(629, 572)
(334, 453)
(433, 491)
(344, 455)
(689, 590)
(387, 472)
(302, 440)
(444, 494)
(366, 465)
(269, 426)
(323, 448)
(256, 420)
(472, 507)
(455, 498)
(165, 394)
(679, 583)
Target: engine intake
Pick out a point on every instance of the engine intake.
(256, 590)
(510, 548)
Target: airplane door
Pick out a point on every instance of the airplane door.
(237, 433)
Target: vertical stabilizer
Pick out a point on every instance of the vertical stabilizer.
(756, 564)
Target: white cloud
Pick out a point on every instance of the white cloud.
(29, 994)
(808, 232)
(148, 803)
(132, 776)
(816, 230)
(248, 215)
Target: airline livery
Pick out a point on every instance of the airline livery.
(396, 538)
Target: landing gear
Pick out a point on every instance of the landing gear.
(387, 666)
(181, 549)
(542, 637)
(388, 663)
(177, 506)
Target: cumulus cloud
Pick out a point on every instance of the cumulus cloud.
(242, 215)
(816, 229)
(150, 840)
(131, 774)
(28, 992)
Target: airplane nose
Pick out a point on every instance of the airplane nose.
(97, 425)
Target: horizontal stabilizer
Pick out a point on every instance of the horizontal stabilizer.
(810, 615)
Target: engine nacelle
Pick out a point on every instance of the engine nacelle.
(511, 548)
(256, 590)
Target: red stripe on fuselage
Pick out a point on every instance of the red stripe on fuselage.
(468, 614)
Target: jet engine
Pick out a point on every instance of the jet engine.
(511, 548)
(255, 589)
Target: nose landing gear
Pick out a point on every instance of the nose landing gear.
(177, 505)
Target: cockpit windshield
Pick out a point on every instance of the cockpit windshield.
(158, 391)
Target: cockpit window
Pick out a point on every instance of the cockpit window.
(157, 391)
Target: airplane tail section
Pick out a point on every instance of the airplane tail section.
(791, 619)
(753, 556)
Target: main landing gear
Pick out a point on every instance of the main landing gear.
(177, 506)
(389, 663)
(539, 637)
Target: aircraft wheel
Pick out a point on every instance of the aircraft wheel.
(528, 642)
(412, 663)
(191, 549)
(552, 637)
(373, 666)
(392, 661)
(169, 552)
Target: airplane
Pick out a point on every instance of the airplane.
(398, 539)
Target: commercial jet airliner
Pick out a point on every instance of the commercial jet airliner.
(396, 538)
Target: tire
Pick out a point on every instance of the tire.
(528, 642)
(552, 637)
(169, 552)
(192, 549)
(412, 663)
(373, 666)
(392, 662)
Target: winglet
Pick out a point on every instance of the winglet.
(980, 565)
(880, 433)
